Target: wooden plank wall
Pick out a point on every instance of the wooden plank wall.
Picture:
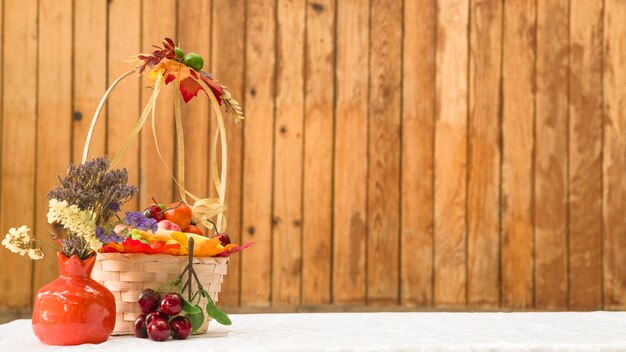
(420, 154)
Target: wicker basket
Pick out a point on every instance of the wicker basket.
(126, 275)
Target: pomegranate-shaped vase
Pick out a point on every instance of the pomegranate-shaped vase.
(73, 309)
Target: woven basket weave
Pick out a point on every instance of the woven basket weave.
(126, 275)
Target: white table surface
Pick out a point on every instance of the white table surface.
(596, 331)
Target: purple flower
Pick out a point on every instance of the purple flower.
(115, 206)
(138, 221)
(112, 237)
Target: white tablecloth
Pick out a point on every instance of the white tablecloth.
(597, 331)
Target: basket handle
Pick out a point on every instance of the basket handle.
(203, 208)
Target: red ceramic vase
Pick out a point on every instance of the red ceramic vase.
(73, 309)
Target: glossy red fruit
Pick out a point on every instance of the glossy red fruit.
(224, 239)
(141, 329)
(172, 304)
(149, 301)
(156, 212)
(155, 315)
(159, 330)
(181, 328)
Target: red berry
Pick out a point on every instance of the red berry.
(159, 330)
(172, 304)
(149, 301)
(155, 315)
(141, 330)
(181, 328)
(224, 239)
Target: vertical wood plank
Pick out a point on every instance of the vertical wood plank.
(90, 75)
(585, 156)
(483, 189)
(418, 111)
(318, 152)
(258, 155)
(123, 107)
(158, 21)
(19, 112)
(518, 67)
(287, 218)
(350, 170)
(383, 193)
(614, 155)
(451, 153)
(551, 155)
(228, 62)
(194, 35)
(54, 119)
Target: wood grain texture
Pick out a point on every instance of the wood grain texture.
(158, 21)
(418, 111)
(518, 67)
(258, 156)
(451, 153)
(551, 155)
(585, 156)
(123, 106)
(383, 192)
(429, 154)
(483, 189)
(54, 120)
(228, 64)
(318, 132)
(288, 132)
(19, 120)
(351, 156)
(89, 75)
(614, 156)
(194, 35)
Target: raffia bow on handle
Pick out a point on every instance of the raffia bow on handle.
(164, 71)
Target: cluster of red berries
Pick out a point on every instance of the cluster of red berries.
(159, 319)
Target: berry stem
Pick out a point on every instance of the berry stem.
(177, 205)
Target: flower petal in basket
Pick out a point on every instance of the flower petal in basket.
(233, 248)
(203, 246)
(134, 246)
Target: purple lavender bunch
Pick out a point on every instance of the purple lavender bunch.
(139, 221)
(93, 186)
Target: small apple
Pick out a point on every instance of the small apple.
(194, 229)
(168, 225)
(179, 213)
(155, 211)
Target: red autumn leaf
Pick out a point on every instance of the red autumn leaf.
(111, 248)
(216, 88)
(234, 249)
(168, 43)
(162, 248)
(189, 88)
(135, 246)
(170, 77)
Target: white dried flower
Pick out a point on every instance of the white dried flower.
(75, 220)
(35, 253)
(18, 240)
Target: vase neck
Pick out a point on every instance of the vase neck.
(74, 266)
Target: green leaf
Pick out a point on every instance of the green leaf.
(197, 318)
(217, 314)
(191, 309)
